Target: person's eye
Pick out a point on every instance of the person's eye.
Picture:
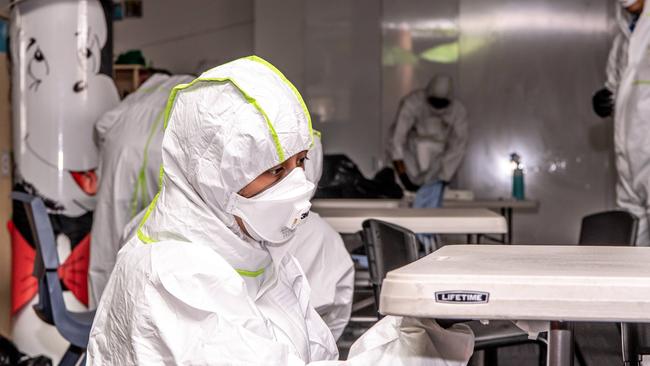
(301, 161)
(275, 170)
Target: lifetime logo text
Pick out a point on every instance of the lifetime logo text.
(462, 297)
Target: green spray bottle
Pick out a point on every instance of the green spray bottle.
(517, 177)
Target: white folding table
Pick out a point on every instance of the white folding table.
(319, 203)
(422, 220)
(505, 206)
(529, 283)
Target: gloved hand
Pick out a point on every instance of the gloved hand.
(406, 181)
(396, 340)
(603, 103)
(400, 168)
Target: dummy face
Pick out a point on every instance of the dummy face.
(271, 177)
(636, 8)
(60, 91)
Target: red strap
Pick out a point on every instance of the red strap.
(74, 271)
(24, 285)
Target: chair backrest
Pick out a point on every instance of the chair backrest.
(388, 247)
(616, 228)
(74, 327)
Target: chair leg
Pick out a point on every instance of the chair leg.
(72, 356)
(630, 342)
(542, 353)
(492, 357)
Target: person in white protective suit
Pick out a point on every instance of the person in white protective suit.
(429, 140)
(323, 257)
(631, 131)
(198, 283)
(627, 15)
(320, 251)
(129, 138)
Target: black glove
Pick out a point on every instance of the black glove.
(407, 183)
(603, 103)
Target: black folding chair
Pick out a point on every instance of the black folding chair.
(390, 246)
(617, 228)
(609, 228)
(73, 326)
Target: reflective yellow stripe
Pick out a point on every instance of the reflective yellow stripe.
(318, 134)
(246, 273)
(141, 186)
(141, 235)
(641, 82)
(290, 85)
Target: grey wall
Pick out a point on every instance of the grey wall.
(525, 70)
(188, 36)
(331, 50)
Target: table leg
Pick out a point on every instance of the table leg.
(504, 236)
(510, 226)
(632, 338)
(560, 345)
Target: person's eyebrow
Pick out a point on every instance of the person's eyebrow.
(32, 42)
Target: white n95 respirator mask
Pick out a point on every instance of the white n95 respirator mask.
(273, 215)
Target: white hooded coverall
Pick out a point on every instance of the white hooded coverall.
(131, 154)
(632, 130)
(430, 141)
(190, 288)
(130, 137)
(617, 58)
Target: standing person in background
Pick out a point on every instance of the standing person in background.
(632, 126)
(429, 140)
(626, 17)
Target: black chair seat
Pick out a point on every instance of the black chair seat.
(497, 333)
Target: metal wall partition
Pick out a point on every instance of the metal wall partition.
(526, 71)
(341, 52)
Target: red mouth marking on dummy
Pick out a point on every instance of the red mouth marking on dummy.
(87, 181)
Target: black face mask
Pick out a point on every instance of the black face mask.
(438, 103)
